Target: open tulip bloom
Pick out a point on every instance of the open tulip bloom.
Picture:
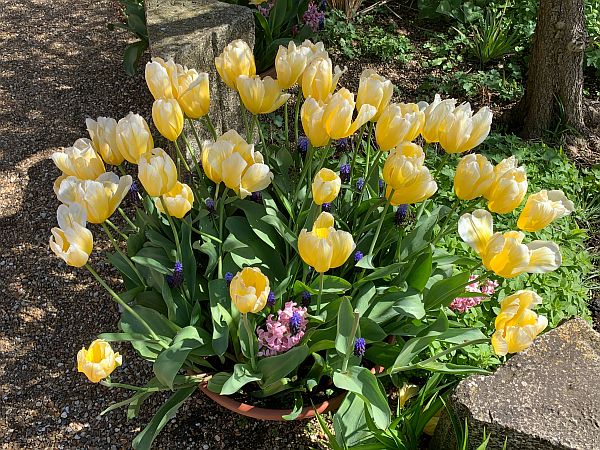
(289, 267)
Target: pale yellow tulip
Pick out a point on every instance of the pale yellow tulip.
(72, 241)
(319, 79)
(543, 208)
(235, 60)
(312, 122)
(133, 137)
(157, 172)
(462, 130)
(98, 361)
(474, 176)
(168, 118)
(260, 96)
(399, 122)
(509, 187)
(249, 290)
(80, 161)
(290, 63)
(374, 90)
(338, 112)
(435, 116)
(194, 96)
(179, 200)
(326, 186)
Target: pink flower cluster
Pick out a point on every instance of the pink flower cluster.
(313, 17)
(278, 337)
(462, 304)
(265, 10)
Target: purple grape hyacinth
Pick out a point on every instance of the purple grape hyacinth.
(176, 279)
(359, 347)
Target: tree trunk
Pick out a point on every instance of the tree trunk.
(554, 86)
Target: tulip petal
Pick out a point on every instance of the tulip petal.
(476, 229)
(343, 245)
(544, 257)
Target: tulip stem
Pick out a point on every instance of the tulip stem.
(221, 215)
(120, 252)
(320, 293)
(442, 163)
(172, 224)
(181, 157)
(263, 142)
(244, 118)
(356, 147)
(351, 341)
(211, 127)
(125, 306)
(116, 228)
(309, 156)
(191, 150)
(369, 175)
(381, 219)
(286, 125)
(208, 236)
(250, 341)
(133, 226)
(297, 113)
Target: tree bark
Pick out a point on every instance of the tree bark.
(554, 88)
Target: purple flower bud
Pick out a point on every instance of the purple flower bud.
(303, 146)
(228, 277)
(256, 197)
(306, 299)
(401, 213)
(360, 183)
(359, 347)
(345, 172)
(326, 207)
(358, 256)
(176, 279)
(380, 184)
(210, 204)
(341, 144)
(295, 322)
(271, 298)
(134, 191)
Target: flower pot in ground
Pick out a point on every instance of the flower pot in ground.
(256, 412)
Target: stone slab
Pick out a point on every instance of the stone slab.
(545, 398)
(193, 33)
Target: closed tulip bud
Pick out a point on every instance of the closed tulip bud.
(326, 186)
(157, 172)
(98, 361)
(161, 78)
(420, 188)
(543, 208)
(249, 290)
(133, 137)
(290, 63)
(168, 118)
(179, 200)
(324, 247)
(260, 96)
(509, 187)
(235, 60)
(312, 122)
(374, 90)
(72, 241)
(462, 130)
(403, 164)
(319, 80)
(517, 325)
(99, 197)
(103, 133)
(80, 161)
(474, 177)
(435, 116)
(399, 122)
(194, 98)
(337, 116)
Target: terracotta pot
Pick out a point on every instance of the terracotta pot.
(255, 412)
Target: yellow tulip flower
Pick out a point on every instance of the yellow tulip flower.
(157, 172)
(399, 122)
(168, 118)
(249, 290)
(179, 200)
(406, 392)
(474, 176)
(133, 137)
(374, 90)
(72, 241)
(161, 78)
(98, 361)
(420, 188)
(509, 187)
(326, 186)
(80, 161)
(543, 208)
(324, 247)
(337, 115)
(316, 49)
(194, 94)
(516, 324)
(462, 130)
(403, 164)
(504, 253)
(312, 122)
(319, 79)
(99, 197)
(235, 60)
(103, 133)
(290, 63)
(256, 2)
(231, 160)
(260, 96)
(435, 116)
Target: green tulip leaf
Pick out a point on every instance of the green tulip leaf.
(345, 321)
(274, 368)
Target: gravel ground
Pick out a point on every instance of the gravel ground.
(58, 65)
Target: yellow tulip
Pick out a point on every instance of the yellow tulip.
(461, 130)
(99, 197)
(399, 122)
(509, 187)
(316, 49)
(194, 98)
(168, 118)
(235, 60)
(231, 160)
(406, 392)
(324, 247)
(319, 79)
(516, 324)
(435, 116)
(476, 229)
(72, 241)
(157, 172)
(179, 200)
(161, 78)
(249, 290)
(420, 188)
(403, 164)
(337, 115)
(474, 176)
(133, 137)
(103, 133)
(326, 186)
(260, 96)
(98, 361)
(543, 208)
(312, 122)
(374, 90)
(290, 63)
(256, 2)
(80, 161)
